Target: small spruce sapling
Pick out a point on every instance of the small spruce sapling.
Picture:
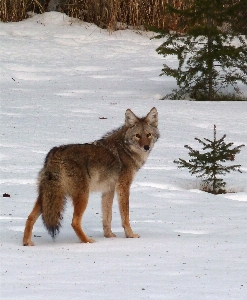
(208, 164)
(209, 58)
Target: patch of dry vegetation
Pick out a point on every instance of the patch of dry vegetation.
(110, 14)
(16, 10)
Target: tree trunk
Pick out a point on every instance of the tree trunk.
(210, 61)
(52, 5)
(214, 162)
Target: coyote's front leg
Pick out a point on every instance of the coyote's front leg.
(107, 200)
(123, 191)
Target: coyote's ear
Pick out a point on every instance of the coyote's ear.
(130, 118)
(152, 117)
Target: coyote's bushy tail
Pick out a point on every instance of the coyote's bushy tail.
(52, 199)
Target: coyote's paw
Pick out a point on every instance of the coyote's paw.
(133, 235)
(28, 243)
(109, 235)
(90, 240)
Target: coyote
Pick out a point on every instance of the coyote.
(105, 165)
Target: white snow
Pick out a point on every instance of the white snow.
(58, 78)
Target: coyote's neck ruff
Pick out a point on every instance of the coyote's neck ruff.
(106, 165)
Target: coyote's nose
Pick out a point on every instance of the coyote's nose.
(146, 147)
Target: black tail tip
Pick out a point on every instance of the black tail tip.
(53, 231)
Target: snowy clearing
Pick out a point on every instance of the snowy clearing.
(71, 82)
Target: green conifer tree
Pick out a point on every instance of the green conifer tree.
(209, 57)
(208, 164)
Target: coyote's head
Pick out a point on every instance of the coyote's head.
(141, 133)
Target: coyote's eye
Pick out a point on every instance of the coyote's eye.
(149, 134)
(138, 136)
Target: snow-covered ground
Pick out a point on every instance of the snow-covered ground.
(64, 81)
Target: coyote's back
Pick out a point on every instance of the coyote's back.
(106, 165)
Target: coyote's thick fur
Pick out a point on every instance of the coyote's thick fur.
(106, 165)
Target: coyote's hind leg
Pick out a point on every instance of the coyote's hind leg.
(80, 205)
(36, 212)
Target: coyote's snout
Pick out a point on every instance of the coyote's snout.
(106, 165)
